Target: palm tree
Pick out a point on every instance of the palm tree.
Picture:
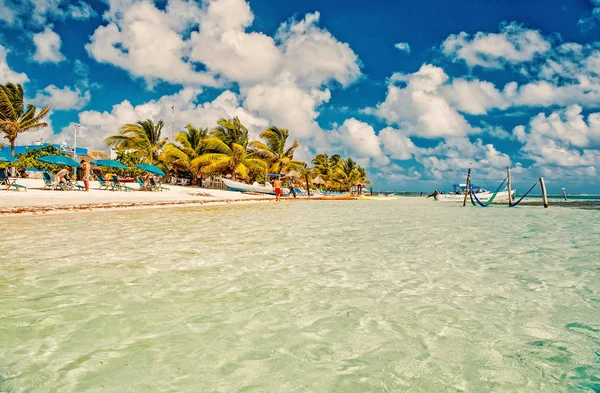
(142, 137)
(14, 117)
(274, 151)
(227, 153)
(192, 147)
(325, 166)
(231, 131)
(348, 174)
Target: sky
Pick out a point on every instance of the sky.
(416, 91)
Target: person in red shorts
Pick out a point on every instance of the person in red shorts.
(277, 188)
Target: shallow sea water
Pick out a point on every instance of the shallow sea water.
(364, 296)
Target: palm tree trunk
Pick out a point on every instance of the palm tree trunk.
(307, 185)
(12, 146)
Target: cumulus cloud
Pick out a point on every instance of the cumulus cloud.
(6, 12)
(403, 47)
(419, 106)
(47, 47)
(62, 99)
(563, 143)
(98, 125)
(6, 74)
(359, 139)
(223, 45)
(513, 44)
(143, 42)
(313, 56)
(287, 105)
(40, 12)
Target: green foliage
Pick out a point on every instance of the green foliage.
(143, 137)
(226, 150)
(15, 116)
(30, 159)
(129, 159)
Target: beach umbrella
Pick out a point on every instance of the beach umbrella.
(317, 180)
(292, 175)
(59, 160)
(109, 164)
(150, 168)
(34, 170)
(7, 158)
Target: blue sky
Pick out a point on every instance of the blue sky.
(416, 91)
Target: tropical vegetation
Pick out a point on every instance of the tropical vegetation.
(225, 150)
(17, 117)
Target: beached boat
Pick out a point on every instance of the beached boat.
(378, 198)
(458, 195)
(232, 185)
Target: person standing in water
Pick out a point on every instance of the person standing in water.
(277, 188)
(86, 174)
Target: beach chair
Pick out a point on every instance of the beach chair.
(117, 185)
(142, 185)
(49, 181)
(74, 184)
(8, 182)
(157, 186)
(103, 184)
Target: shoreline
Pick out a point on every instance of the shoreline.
(96, 207)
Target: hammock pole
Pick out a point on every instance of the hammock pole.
(544, 196)
(467, 187)
(508, 185)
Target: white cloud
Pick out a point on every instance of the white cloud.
(80, 11)
(225, 48)
(513, 44)
(360, 139)
(6, 74)
(314, 56)
(287, 105)
(562, 139)
(62, 99)
(6, 13)
(99, 125)
(419, 107)
(143, 43)
(403, 47)
(40, 12)
(397, 145)
(47, 47)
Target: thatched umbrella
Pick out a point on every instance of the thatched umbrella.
(318, 181)
(292, 175)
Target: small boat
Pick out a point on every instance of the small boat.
(378, 198)
(337, 198)
(458, 195)
(256, 188)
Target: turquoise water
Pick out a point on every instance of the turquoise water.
(365, 296)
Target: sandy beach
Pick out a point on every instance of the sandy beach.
(37, 200)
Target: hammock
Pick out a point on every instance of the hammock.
(489, 202)
(523, 197)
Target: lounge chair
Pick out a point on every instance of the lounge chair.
(157, 186)
(103, 184)
(74, 184)
(49, 183)
(142, 184)
(8, 182)
(120, 186)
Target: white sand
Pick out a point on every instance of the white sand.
(37, 200)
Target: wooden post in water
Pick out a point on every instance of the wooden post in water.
(564, 194)
(544, 196)
(509, 185)
(467, 187)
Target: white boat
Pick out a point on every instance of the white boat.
(232, 185)
(458, 195)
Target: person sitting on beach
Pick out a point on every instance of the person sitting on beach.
(60, 178)
(146, 180)
(277, 188)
